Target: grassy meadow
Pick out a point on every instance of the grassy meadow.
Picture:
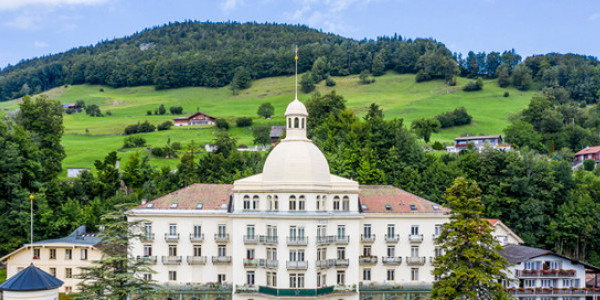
(89, 138)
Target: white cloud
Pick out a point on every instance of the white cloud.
(25, 22)
(229, 5)
(594, 16)
(38, 44)
(16, 4)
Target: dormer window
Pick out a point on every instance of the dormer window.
(388, 207)
(199, 206)
(150, 205)
(413, 207)
(173, 205)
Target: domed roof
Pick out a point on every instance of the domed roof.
(296, 161)
(31, 279)
(296, 108)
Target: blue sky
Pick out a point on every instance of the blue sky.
(30, 28)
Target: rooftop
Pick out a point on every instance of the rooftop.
(211, 196)
(390, 199)
(79, 236)
(277, 131)
(589, 150)
(479, 137)
(31, 279)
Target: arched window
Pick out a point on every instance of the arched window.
(302, 123)
(255, 202)
(318, 202)
(246, 202)
(324, 202)
(346, 203)
(336, 203)
(296, 123)
(269, 202)
(301, 203)
(292, 202)
(289, 122)
(276, 203)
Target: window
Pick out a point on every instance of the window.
(250, 278)
(255, 202)
(148, 230)
(341, 253)
(272, 279)
(246, 202)
(321, 279)
(548, 283)
(437, 251)
(321, 253)
(293, 280)
(221, 278)
(197, 250)
(414, 274)
(341, 277)
(68, 273)
(36, 253)
(222, 250)
(302, 122)
(367, 250)
(367, 230)
(292, 203)
(321, 230)
(296, 123)
(323, 203)
(413, 207)
(250, 231)
(318, 202)
(297, 255)
(147, 276)
(301, 203)
(414, 251)
(197, 231)
(390, 275)
(271, 253)
(172, 250)
(68, 254)
(346, 203)
(250, 254)
(341, 231)
(68, 289)
(276, 203)
(414, 229)
(391, 230)
(84, 254)
(147, 250)
(52, 253)
(271, 231)
(300, 280)
(529, 283)
(366, 274)
(391, 251)
(336, 203)
(437, 230)
(222, 231)
(53, 272)
(172, 229)
(172, 275)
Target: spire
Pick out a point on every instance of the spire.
(296, 59)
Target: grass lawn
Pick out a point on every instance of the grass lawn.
(89, 138)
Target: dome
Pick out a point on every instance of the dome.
(296, 108)
(296, 161)
(31, 279)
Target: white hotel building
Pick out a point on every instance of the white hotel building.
(293, 231)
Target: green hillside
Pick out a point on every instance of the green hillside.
(398, 95)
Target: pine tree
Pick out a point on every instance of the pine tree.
(471, 266)
(117, 275)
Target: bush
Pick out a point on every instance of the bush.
(266, 110)
(162, 110)
(93, 111)
(329, 81)
(243, 121)
(589, 164)
(176, 146)
(437, 146)
(149, 112)
(222, 124)
(69, 111)
(158, 152)
(365, 77)
(166, 125)
(506, 94)
(133, 142)
(108, 113)
(452, 81)
(307, 83)
(476, 85)
(454, 118)
(176, 110)
(137, 128)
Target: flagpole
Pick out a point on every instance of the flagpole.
(296, 59)
(31, 197)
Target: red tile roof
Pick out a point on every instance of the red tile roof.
(378, 198)
(211, 196)
(589, 150)
(492, 221)
(479, 137)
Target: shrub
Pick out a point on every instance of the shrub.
(133, 142)
(176, 110)
(506, 94)
(243, 121)
(222, 124)
(266, 110)
(437, 146)
(149, 112)
(158, 152)
(474, 85)
(589, 164)
(162, 110)
(454, 118)
(137, 128)
(69, 111)
(365, 77)
(166, 125)
(176, 146)
(108, 113)
(131, 129)
(452, 81)
(93, 111)
(329, 81)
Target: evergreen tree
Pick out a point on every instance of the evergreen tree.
(241, 80)
(471, 266)
(378, 67)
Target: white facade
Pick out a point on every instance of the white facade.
(31, 295)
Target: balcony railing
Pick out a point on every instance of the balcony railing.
(415, 260)
(196, 260)
(268, 263)
(342, 239)
(196, 238)
(250, 262)
(171, 260)
(544, 273)
(296, 265)
(392, 238)
(415, 238)
(147, 237)
(268, 239)
(367, 259)
(324, 240)
(251, 239)
(149, 260)
(342, 262)
(554, 291)
(171, 237)
(221, 238)
(221, 260)
(325, 263)
(297, 240)
(391, 260)
(367, 238)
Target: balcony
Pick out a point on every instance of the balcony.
(342, 239)
(367, 260)
(147, 237)
(287, 293)
(250, 262)
(392, 238)
(196, 238)
(554, 291)
(415, 238)
(268, 263)
(297, 240)
(544, 273)
(325, 240)
(221, 238)
(149, 260)
(340, 262)
(171, 237)
(171, 260)
(196, 260)
(391, 260)
(325, 263)
(415, 260)
(367, 238)
(251, 239)
(296, 265)
(268, 239)
(220, 260)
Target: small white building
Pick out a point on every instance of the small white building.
(478, 143)
(31, 283)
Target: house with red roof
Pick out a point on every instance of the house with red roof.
(588, 153)
(198, 118)
(478, 143)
